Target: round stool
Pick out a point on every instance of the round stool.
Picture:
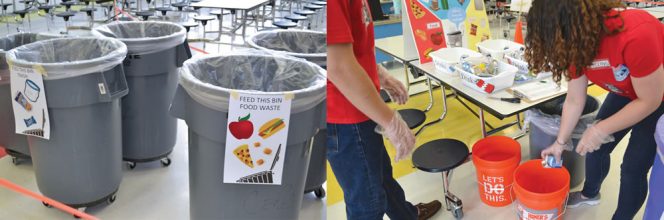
(66, 15)
(88, 11)
(188, 25)
(180, 5)
(442, 156)
(313, 7)
(305, 13)
(204, 20)
(285, 24)
(163, 10)
(412, 117)
(218, 13)
(67, 5)
(21, 13)
(296, 18)
(145, 14)
(46, 8)
(319, 3)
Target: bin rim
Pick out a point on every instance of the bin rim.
(50, 35)
(187, 80)
(54, 71)
(178, 37)
(301, 55)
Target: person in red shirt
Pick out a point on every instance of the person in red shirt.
(356, 151)
(622, 51)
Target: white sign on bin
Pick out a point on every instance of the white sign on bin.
(29, 102)
(256, 137)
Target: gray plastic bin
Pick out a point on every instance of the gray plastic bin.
(81, 164)
(202, 101)
(544, 123)
(312, 46)
(155, 52)
(309, 45)
(16, 145)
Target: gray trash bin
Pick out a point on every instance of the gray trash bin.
(155, 52)
(202, 101)
(309, 45)
(544, 123)
(312, 46)
(81, 164)
(16, 145)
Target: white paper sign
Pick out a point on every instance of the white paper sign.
(29, 102)
(256, 137)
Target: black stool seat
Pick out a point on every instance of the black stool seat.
(296, 18)
(88, 11)
(304, 12)
(46, 8)
(180, 5)
(5, 6)
(313, 7)
(188, 25)
(163, 10)
(413, 117)
(385, 96)
(204, 19)
(145, 14)
(26, 1)
(65, 15)
(21, 13)
(285, 24)
(510, 18)
(68, 3)
(321, 3)
(440, 155)
(196, 1)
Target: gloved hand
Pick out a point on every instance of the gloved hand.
(398, 133)
(393, 86)
(592, 139)
(556, 149)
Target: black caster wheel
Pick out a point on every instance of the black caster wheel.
(458, 213)
(111, 199)
(320, 193)
(15, 161)
(46, 204)
(131, 165)
(166, 162)
(77, 217)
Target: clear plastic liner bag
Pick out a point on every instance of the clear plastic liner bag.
(310, 45)
(144, 37)
(549, 122)
(69, 57)
(211, 79)
(16, 40)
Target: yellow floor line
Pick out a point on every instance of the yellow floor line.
(459, 124)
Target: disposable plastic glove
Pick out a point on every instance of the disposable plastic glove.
(393, 86)
(556, 149)
(592, 139)
(401, 137)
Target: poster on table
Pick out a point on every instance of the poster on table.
(29, 102)
(435, 24)
(256, 137)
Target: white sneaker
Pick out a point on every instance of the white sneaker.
(576, 200)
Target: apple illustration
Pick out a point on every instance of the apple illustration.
(242, 128)
(437, 38)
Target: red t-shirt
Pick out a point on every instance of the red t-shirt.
(637, 51)
(349, 21)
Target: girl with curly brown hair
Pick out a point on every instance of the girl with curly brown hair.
(622, 51)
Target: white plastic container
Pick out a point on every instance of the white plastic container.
(445, 58)
(524, 68)
(498, 48)
(488, 85)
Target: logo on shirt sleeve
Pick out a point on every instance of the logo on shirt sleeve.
(621, 72)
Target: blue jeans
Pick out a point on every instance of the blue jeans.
(362, 167)
(638, 159)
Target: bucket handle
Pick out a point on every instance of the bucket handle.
(518, 214)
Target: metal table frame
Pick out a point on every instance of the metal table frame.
(253, 5)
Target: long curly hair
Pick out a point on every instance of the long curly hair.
(567, 33)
